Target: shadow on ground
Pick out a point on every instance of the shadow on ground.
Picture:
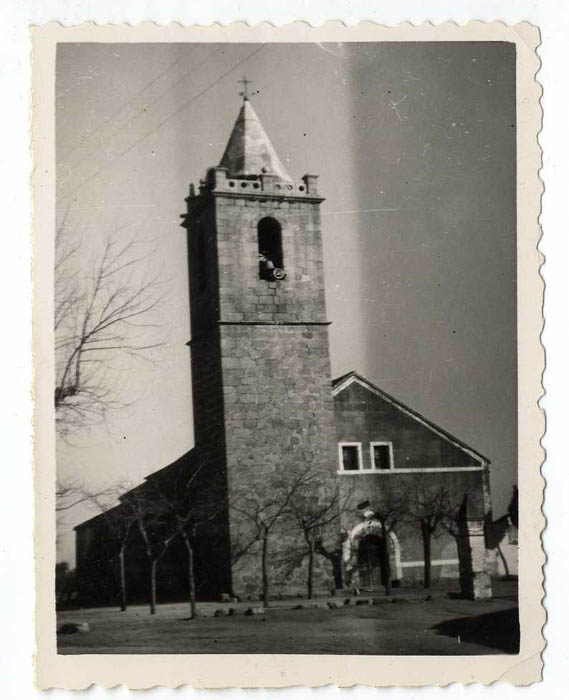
(499, 630)
(421, 623)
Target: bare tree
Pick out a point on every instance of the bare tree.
(334, 554)
(429, 506)
(449, 521)
(121, 525)
(102, 308)
(189, 500)
(453, 522)
(390, 510)
(70, 493)
(261, 509)
(164, 509)
(315, 508)
(100, 312)
(156, 527)
(119, 520)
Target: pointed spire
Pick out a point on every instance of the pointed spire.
(249, 150)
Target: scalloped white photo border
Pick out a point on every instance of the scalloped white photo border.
(222, 671)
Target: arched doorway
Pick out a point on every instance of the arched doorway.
(351, 551)
(371, 551)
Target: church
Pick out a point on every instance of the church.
(266, 406)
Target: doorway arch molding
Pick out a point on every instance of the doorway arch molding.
(373, 527)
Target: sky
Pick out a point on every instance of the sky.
(415, 147)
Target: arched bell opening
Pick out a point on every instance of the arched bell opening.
(270, 248)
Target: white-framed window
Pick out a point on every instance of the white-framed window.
(381, 456)
(350, 456)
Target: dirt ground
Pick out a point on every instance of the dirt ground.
(410, 625)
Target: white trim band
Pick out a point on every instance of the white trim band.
(435, 562)
(413, 470)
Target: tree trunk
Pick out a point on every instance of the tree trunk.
(339, 569)
(504, 562)
(456, 542)
(122, 577)
(386, 562)
(336, 559)
(310, 578)
(191, 575)
(265, 577)
(153, 567)
(426, 534)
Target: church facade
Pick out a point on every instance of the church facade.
(266, 409)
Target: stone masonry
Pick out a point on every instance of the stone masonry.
(260, 358)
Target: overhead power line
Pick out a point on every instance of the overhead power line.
(164, 121)
(128, 103)
(151, 104)
(125, 124)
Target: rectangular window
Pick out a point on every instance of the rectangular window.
(350, 456)
(382, 455)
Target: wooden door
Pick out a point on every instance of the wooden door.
(370, 555)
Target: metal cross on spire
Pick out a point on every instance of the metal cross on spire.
(245, 92)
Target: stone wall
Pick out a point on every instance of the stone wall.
(378, 488)
(207, 392)
(365, 417)
(244, 297)
(263, 405)
(279, 421)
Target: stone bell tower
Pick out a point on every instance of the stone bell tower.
(259, 349)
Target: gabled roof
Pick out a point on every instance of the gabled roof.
(95, 519)
(183, 461)
(249, 150)
(341, 383)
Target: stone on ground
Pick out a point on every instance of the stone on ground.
(73, 628)
(227, 598)
(254, 611)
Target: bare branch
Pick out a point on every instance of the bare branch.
(70, 493)
(98, 318)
